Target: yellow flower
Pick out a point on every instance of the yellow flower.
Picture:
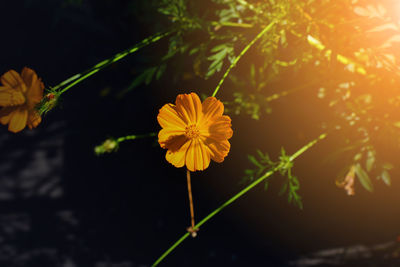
(19, 95)
(194, 132)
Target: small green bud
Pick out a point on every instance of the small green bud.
(108, 146)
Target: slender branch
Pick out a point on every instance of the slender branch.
(238, 195)
(266, 29)
(77, 78)
(231, 24)
(287, 92)
(306, 147)
(134, 136)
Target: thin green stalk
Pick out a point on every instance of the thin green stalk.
(77, 78)
(306, 147)
(133, 137)
(231, 24)
(241, 193)
(287, 92)
(266, 29)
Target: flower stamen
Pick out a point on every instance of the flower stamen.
(191, 131)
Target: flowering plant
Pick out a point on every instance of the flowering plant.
(265, 62)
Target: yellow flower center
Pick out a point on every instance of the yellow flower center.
(191, 131)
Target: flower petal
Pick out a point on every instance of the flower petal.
(212, 108)
(29, 76)
(190, 156)
(219, 129)
(12, 79)
(177, 157)
(189, 108)
(35, 86)
(18, 120)
(11, 97)
(197, 156)
(204, 155)
(218, 149)
(5, 115)
(33, 119)
(168, 117)
(168, 136)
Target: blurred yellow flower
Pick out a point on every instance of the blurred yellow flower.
(19, 95)
(194, 132)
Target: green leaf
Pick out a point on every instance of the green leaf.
(294, 183)
(260, 171)
(227, 14)
(260, 154)
(266, 186)
(220, 53)
(149, 73)
(285, 63)
(249, 172)
(219, 47)
(160, 71)
(370, 160)
(290, 197)
(388, 166)
(386, 177)
(194, 51)
(363, 178)
(298, 202)
(284, 188)
(283, 152)
(358, 156)
(254, 161)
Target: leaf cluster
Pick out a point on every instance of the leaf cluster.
(262, 164)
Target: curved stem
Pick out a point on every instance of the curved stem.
(241, 193)
(267, 28)
(77, 78)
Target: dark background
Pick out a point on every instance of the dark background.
(61, 205)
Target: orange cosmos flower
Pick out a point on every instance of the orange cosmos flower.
(194, 132)
(19, 94)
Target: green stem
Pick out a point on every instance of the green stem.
(133, 137)
(241, 193)
(306, 147)
(267, 28)
(231, 24)
(77, 78)
(287, 92)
